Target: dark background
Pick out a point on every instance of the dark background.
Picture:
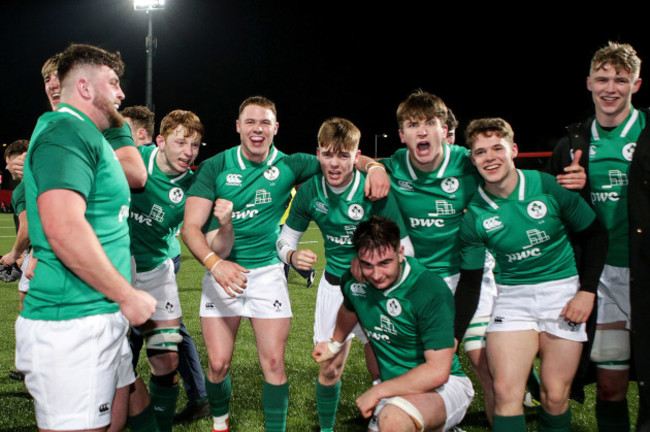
(353, 59)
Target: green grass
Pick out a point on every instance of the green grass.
(16, 407)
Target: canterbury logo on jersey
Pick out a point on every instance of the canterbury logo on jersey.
(492, 224)
(233, 180)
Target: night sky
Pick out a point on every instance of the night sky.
(323, 59)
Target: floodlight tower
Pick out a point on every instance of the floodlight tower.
(150, 43)
(383, 135)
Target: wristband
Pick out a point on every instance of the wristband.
(290, 255)
(211, 260)
(334, 347)
(372, 165)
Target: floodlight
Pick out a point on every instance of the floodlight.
(148, 5)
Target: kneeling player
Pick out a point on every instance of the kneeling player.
(523, 219)
(407, 312)
(335, 200)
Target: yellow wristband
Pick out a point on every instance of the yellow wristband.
(211, 260)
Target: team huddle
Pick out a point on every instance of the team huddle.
(433, 248)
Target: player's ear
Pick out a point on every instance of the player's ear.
(515, 150)
(160, 142)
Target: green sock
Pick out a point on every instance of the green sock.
(143, 422)
(163, 400)
(509, 423)
(219, 396)
(327, 401)
(275, 400)
(554, 423)
(612, 416)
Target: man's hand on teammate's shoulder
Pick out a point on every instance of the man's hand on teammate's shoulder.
(377, 181)
(575, 177)
(355, 269)
(230, 276)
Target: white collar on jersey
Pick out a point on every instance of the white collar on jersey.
(630, 122)
(69, 111)
(269, 162)
(353, 190)
(405, 273)
(441, 169)
(152, 163)
(520, 193)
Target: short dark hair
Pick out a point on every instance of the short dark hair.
(376, 233)
(17, 147)
(141, 116)
(259, 101)
(422, 105)
(83, 54)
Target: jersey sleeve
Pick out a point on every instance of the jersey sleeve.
(434, 308)
(62, 160)
(387, 207)
(299, 214)
(119, 137)
(205, 179)
(303, 166)
(346, 279)
(472, 247)
(574, 210)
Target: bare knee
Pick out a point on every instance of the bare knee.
(393, 419)
(218, 368)
(163, 363)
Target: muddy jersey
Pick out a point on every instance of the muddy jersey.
(432, 206)
(404, 320)
(67, 151)
(527, 232)
(610, 154)
(259, 193)
(156, 212)
(338, 215)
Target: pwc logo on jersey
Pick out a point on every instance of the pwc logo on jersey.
(356, 212)
(492, 224)
(123, 215)
(176, 195)
(536, 209)
(450, 185)
(233, 180)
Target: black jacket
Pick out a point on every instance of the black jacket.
(578, 138)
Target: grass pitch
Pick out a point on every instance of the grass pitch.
(17, 408)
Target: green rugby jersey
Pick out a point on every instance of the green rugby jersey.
(67, 151)
(527, 231)
(259, 193)
(338, 215)
(18, 198)
(119, 137)
(404, 320)
(156, 212)
(610, 154)
(432, 206)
